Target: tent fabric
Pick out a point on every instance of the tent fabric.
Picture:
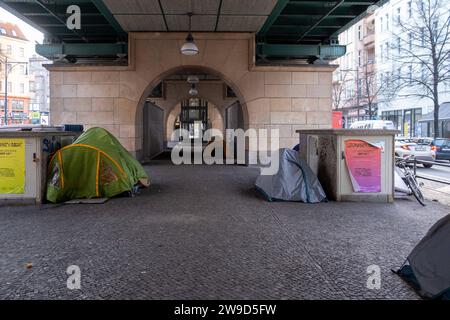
(429, 261)
(294, 180)
(95, 165)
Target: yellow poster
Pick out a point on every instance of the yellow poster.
(12, 166)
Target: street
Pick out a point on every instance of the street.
(435, 172)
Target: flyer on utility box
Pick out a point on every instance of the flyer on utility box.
(12, 166)
(364, 165)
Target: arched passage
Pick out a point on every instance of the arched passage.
(169, 89)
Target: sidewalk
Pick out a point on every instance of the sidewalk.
(203, 232)
(435, 191)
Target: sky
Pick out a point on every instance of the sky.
(31, 33)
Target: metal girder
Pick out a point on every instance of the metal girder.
(308, 22)
(325, 52)
(279, 7)
(81, 49)
(101, 7)
(337, 5)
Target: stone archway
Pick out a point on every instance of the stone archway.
(286, 98)
(162, 76)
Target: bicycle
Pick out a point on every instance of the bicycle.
(409, 178)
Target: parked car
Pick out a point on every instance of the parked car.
(440, 145)
(405, 148)
(373, 124)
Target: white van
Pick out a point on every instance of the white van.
(373, 124)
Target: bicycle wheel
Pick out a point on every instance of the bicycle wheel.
(412, 183)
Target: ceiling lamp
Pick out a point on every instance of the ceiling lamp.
(189, 47)
(192, 79)
(193, 90)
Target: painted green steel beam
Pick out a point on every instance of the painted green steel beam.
(81, 49)
(279, 7)
(327, 52)
(101, 7)
(325, 4)
(330, 11)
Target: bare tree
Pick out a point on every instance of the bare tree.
(423, 52)
(373, 88)
(339, 87)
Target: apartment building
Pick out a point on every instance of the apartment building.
(403, 108)
(39, 90)
(14, 52)
(353, 81)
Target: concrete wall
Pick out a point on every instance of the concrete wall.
(287, 98)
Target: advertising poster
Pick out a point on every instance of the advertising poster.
(364, 165)
(12, 166)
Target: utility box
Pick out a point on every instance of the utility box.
(351, 164)
(24, 159)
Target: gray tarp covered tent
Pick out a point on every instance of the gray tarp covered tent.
(294, 180)
(428, 268)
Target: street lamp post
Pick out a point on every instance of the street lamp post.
(7, 71)
(6, 91)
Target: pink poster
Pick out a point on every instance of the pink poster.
(364, 165)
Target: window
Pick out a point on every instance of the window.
(22, 88)
(17, 105)
(359, 92)
(422, 71)
(381, 52)
(399, 17)
(31, 86)
(410, 41)
(381, 24)
(409, 9)
(387, 21)
(9, 86)
(22, 69)
(14, 33)
(399, 75)
(8, 49)
(399, 41)
(422, 36)
(387, 50)
(360, 32)
(359, 58)
(22, 52)
(410, 73)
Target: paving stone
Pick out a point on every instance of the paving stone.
(202, 232)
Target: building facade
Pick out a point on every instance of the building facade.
(353, 82)
(403, 108)
(15, 50)
(365, 86)
(39, 90)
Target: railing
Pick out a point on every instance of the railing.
(426, 177)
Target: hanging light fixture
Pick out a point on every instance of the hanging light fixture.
(193, 90)
(189, 47)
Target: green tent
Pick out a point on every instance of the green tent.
(95, 165)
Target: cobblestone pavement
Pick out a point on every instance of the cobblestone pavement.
(203, 232)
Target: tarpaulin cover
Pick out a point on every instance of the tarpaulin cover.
(294, 180)
(95, 165)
